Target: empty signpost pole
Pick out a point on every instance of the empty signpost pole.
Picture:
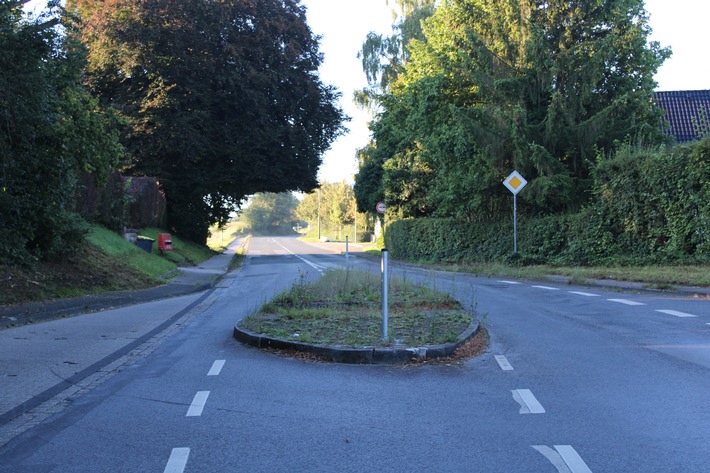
(347, 249)
(381, 208)
(385, 293)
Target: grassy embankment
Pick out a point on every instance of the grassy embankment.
(106, 262)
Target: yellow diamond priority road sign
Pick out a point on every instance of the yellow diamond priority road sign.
(515, 182)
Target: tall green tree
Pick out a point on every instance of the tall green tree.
(368, 187)
(532, 85)
(222, 98)
(383, 57)
(333, 202)
(271, 213)
(51, 131)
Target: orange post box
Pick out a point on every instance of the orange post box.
(164, 242)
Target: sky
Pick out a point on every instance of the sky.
(344, 24)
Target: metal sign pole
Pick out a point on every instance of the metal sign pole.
(515, 183)
(385, 293)
(515, 223)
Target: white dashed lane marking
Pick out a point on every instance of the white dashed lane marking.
(198, 404)
(618, 301)
(503, 363)
(626, 302)
(564, 458)
(527, 401)
(177, 461)
(216, 368)
(676, 313)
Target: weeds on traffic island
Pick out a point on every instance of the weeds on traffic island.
(343, 308)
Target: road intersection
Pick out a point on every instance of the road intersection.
(576, 379)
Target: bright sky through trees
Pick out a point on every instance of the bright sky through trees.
(343, 25)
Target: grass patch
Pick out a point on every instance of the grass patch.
(184, 253)
(343, 308)
(104, 262)
(239, 255)
(654, 276)
(88, 271)
(115, 246)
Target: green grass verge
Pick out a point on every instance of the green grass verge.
(343, 308)
(659, 277)
(184, 253)
(114, 245)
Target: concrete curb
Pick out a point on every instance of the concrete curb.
(364, 355)
(50, 310)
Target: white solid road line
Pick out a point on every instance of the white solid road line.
(216, 368)
(315, 266)
(676, 313)
(564, 458)
(177, 461)
(528, 403)
(198, 404)
(503, 363)
(585, 294)
(547, 288)
(626, 302)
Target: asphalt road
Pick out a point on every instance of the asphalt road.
(577, 379)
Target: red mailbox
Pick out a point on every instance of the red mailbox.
(164, 242)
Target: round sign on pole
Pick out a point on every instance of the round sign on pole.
(381, 207)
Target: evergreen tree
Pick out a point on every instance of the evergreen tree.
(496, 85)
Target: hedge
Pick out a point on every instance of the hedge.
(648, 207)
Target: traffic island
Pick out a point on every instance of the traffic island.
(340, 318)
(364, 355)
